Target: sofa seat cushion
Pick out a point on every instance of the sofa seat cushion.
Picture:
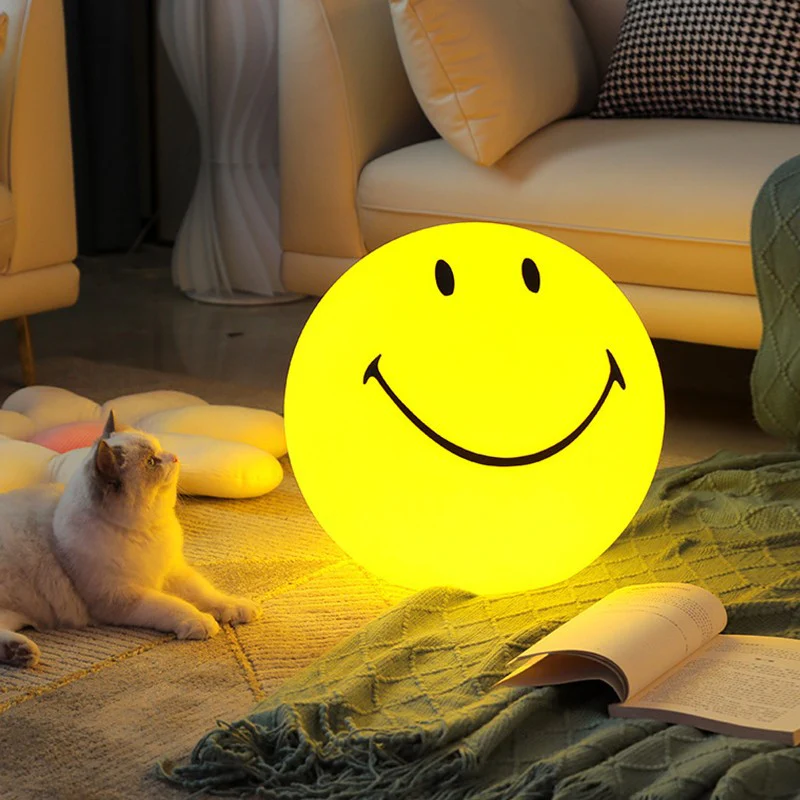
(657, 202)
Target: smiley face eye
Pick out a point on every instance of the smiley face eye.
(530, 274)
(445, 280)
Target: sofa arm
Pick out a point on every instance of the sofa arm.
(344, 100)
(35, 141)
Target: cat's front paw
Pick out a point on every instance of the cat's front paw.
(237, 610)
(18, 650)
(202, 626)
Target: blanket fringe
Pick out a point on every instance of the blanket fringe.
(278, 763)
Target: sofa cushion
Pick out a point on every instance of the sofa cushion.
(733, 59)
(484, 105)
(654, 202)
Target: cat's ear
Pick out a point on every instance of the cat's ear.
(111, 426)
(106, 463)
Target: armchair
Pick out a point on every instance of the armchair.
(38, 239)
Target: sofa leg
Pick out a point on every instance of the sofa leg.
(26, 351)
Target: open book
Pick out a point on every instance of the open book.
(659, 646)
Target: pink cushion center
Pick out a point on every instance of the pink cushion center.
(71, 436)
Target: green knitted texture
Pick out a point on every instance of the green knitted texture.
(405, 708)
(775, 239)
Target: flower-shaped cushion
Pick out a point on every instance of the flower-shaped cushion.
(224, 451)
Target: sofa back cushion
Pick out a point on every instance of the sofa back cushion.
(488, 74)
(602, 20)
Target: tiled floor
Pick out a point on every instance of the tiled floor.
(130, 314)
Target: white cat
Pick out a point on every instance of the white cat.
(107, 549)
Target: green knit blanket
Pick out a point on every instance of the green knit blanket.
(406, 709)
(775, 240)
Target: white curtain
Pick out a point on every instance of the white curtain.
(225, 53)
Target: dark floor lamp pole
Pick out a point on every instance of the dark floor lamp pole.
(25, 346)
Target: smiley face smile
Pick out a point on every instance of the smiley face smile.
(614, 376)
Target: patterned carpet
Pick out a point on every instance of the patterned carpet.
(105, 704)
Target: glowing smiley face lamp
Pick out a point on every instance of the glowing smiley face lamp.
(474, 405)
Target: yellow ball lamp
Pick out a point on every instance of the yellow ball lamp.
(474, 405)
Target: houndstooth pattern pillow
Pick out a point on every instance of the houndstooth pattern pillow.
(734, 59)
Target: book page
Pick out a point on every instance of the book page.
(554, 668)
(643, 631)
(747, 681)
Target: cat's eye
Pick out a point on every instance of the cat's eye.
(530, 274)
(445, 280)
(152, 462)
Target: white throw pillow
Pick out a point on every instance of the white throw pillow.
(252, 426)
(14, 425)
(23, 464)
(489, 73)
(48, 406)
(130, 408)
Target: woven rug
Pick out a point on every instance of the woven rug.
(105, 704)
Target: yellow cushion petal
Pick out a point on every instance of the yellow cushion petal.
(23, 464)
(215, 468)
(253, 426)
(130, 408)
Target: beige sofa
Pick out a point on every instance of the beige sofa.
(37, 208)
(662, 206)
